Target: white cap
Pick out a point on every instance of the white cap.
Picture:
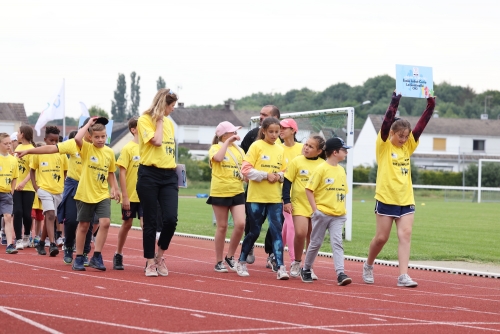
(13, 136)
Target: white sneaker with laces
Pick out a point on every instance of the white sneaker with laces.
(151, 271)
(47, 242)
(59, 241)
(368, 273)
(19, 244)
(241, 269)
(282, 274)
(405, 280)
(295, 269)
(26, 241)
(313, 275)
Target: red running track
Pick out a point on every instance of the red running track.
(40, 294)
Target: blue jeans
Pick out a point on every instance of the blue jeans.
(257, 213)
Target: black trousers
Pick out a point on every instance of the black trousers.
(23, 203)
(157, 187)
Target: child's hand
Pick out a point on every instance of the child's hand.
(233, 138)
(115, 194)
(126, 204)
(288, 208)
(20, 154)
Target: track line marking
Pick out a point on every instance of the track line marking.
(100, 287)
(247, 290)
(143, 300)
(304, 303)
(198, 315)
(28, 321)
(199, 280)
(64, 277)
(378, 319)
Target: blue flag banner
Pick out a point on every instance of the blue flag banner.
(414, 81)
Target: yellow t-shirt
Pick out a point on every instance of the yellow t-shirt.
(96, 164)
(298, 172)
(70, 148)
(129, 159)
(329, 184)
(24, 166)
(267, 158)
(225, 174)
(394, 184)
(50, 171)
(8, 172)
(159, 156)
(292, 152)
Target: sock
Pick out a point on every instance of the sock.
(79, 255)
(97, 253)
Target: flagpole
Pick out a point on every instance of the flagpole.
(64, 109)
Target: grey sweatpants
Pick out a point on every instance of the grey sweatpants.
(320, 223)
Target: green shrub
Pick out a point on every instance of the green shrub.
(361, 174)
(439, 178)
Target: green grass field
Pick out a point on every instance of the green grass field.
(452, 231)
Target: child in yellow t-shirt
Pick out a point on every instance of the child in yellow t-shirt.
(92, 195)
(326, 192)
(131, 206)
(8, 176)
(297, 175)
(47, 176)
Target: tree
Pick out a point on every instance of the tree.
(160, 83)
(33, 118)
(96, 111)
(135, 95)
(119, 105)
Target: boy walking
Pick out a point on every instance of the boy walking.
(326, 191)
(131, 207)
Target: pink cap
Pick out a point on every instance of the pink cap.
(225, 127)
(289, 123)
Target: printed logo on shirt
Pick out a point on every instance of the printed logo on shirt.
(340, 197)
(94, 159)
(265, 158)
(329, 181)
(404, 171)
(56, 177)
(226, 158)
(394, 155)
(304, 172)
(77, 155)
(136, 158)
(22, 169)
(44, 164)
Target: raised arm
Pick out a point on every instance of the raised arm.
(424, 119)
(83, 130)
(47, 149)
(389, 116)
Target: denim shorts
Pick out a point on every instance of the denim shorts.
(395, 211)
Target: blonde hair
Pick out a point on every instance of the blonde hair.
(97, 127)
(4, 135)
(163, 98)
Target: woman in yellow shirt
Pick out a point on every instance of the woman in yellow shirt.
(156, 178)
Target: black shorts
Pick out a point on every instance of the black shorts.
(227, 201)
(395, 211)
(134, 212)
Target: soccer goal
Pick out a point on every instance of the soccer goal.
(328, 123)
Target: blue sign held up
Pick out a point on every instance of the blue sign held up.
(414, 81)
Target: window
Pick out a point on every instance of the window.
(478, 145)
(439, 144)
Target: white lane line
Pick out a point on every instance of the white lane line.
(143, 300)
(28, 321)
(199, 280)
(378, 319)
(247, 290)
(100, 287)
(64, 277)
(197, 315)
(304, 303)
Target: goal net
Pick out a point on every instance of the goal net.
(328, 123)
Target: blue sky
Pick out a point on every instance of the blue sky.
(220, 49)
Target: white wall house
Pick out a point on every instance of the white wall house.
(446, 144)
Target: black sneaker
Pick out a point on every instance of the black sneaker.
(305, 275)
(86, 260)
(272, 264)
(53, 249)
(96, 262)
(118, 262)
(220, 267)
(40, 248)
(231, 263)
(343, 279)
(78, 264)
(68, 256)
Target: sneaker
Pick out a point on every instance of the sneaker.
(19, 244)
(53, 249)
(368, 273)
(151, 270)
(86, 261)
(118, 262)
(60, 241)
(241, 269)
(47, 242)
(4, 238)
(295, 269)
(305, 275)
(11, 249)
(96, 262)
(26, 241)
(405, 280)
(36, 241)
(220, 267)
(231, 263)
(78, 264)
(282, 274)
(343, 279)
(251, 256)
(68, 255)
(40, 248)
(161, 267)
(158, 236)
(271, 263)
(313, 275)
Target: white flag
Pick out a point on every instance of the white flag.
(54, 111)
(85, 111)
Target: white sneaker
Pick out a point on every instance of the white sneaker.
(19, 244)
(26, 241)
(241, 269)
(150, 271)
(313, 275)
(59, 241)
(47, 242)
(405, 280)
(251, 256)
(158, 235)
(282, 274)
(368, 274)
(295, 269)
